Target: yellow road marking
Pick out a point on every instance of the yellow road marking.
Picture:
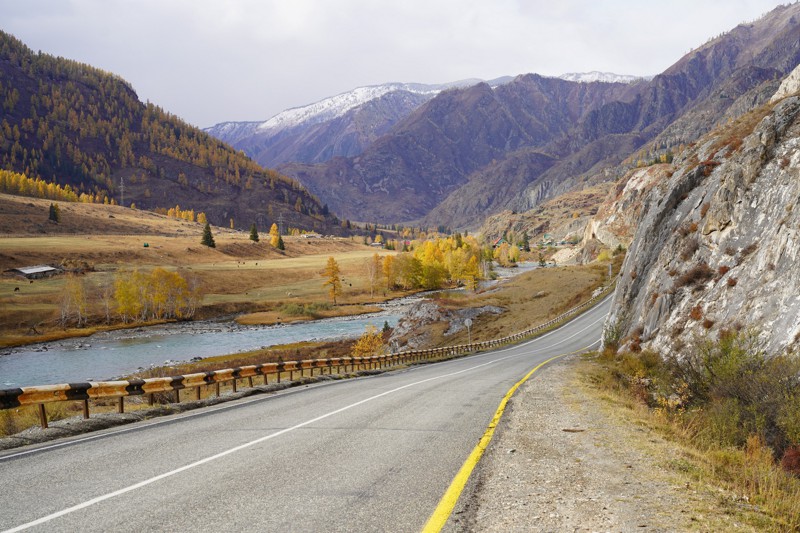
(448, 502)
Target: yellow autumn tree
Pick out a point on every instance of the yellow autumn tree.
(370, 343)
(388, 272)
(333, 279)
(161, 294)
(73, 301)
(374, 269)
(274, 235)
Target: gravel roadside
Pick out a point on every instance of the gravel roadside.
(563, 460)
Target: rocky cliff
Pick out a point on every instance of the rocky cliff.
(717, 238)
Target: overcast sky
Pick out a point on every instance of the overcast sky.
(210, 61)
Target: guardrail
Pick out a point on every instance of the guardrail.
(95, 390)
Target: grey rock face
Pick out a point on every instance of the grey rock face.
(718, 243)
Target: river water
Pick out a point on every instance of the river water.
(107, 355)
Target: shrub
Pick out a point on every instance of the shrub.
(311, 309)
(723, 269)
(704, 209)
(791, 460)
(708, 166)
(695, 276)
(746, 251)
(739, 390)
(690, 246)
(732, 282)
(612, 333)
(696, 313)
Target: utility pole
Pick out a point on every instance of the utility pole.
(280, 223)
(122, 191)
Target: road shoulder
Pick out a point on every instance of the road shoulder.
(565, 459)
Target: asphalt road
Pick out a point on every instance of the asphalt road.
(369, 454)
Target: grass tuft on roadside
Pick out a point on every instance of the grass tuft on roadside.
(735, 412)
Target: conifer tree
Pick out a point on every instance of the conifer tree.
(280, 245)
(55, 213)
(208, 238)
(253, 233)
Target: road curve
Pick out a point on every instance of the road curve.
(368, 454)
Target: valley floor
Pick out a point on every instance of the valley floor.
(568, 458)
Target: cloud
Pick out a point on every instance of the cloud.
(209, 61)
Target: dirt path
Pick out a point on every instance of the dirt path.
(564, 460)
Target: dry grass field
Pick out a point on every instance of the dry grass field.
(530, 299)
(238, 276)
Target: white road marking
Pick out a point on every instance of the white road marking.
(213, 409)
(265, 438)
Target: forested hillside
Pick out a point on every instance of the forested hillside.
(72, 124)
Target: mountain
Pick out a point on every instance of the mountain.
(342, 125)
(713, 237)
(470, 152)
(71, 124)
(606, 77)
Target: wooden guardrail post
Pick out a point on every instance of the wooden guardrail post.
(42, 416)
(86, 408)
(121, 405)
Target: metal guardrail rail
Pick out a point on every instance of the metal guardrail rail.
(95, 390)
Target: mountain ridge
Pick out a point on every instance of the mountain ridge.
(585, 146)
(73, 124)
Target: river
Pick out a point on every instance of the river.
(107, 355)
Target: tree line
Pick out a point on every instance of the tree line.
(132, 297)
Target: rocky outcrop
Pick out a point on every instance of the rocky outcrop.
(789, 86)
(718, 240)
(618, 216)
(413, 330)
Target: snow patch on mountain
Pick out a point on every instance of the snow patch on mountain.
(608, 77)
(336, 106)
(233, 131)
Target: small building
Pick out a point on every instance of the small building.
(498, 242)
(37, 271)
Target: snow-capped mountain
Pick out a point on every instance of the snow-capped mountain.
(338, 105)
(341, 125)
(608, 77)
